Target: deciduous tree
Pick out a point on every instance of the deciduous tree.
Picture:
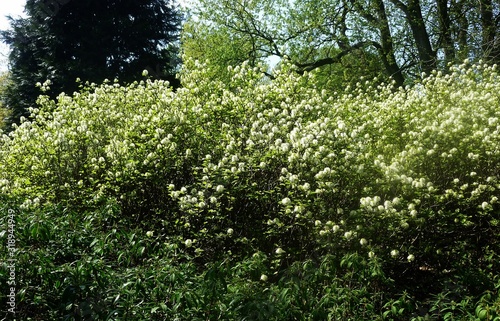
(403, 38)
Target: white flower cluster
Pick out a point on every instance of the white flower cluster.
(373, 164)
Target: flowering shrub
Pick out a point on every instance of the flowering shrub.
(406, 177)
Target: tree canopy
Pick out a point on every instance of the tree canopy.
(401, 38)
(91, 40)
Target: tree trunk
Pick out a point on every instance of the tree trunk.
(388, 56)
(385, 48)
(446, 35)
(489, 47)
(426, 55)
(461, 28)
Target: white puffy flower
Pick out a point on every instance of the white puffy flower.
(335, 228)
(363, 242)
(188, 243)
(279, 251)
(411, 258)
(394, 253)
(219, 188)
(263, 277)
(285, 201)
(230, 231)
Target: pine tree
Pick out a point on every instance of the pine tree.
(93, 40)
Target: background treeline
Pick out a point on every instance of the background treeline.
(347, 40)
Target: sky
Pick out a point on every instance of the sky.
(15, 9)
(12, 8)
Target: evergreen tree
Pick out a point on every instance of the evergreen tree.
(94, 40)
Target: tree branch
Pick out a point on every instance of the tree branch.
(336, 59)
(400, 5)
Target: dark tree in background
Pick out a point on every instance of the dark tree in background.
(94, 40)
